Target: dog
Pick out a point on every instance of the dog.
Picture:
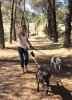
(56, 62)
(42, 76)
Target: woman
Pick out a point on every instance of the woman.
(23, 48)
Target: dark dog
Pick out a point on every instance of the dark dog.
(42, 76)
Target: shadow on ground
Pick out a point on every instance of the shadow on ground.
(62, 91)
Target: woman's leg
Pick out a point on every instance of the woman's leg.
(26, 58)
(21, 52)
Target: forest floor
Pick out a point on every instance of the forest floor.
(16, 86)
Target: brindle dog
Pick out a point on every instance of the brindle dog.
(42, 76)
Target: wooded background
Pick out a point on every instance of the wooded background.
(53, 14)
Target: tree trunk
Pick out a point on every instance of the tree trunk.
(52, 20)
(14, 24)
(23, 16)
(55, 33)
(49, 17)
(2, 42)
(67, 33)
(11, 25)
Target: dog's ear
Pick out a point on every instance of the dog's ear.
(49, 75)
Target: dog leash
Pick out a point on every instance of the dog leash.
(60, 81)
(40, 51)
(33, 57)
(35, 61)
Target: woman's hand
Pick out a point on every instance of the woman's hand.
(30, 46)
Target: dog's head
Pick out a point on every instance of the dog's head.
(43, 74)
(58, 60)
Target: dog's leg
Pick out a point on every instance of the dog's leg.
(38, 87)
(54, 65)
(51, 62)
(37, 81)
(47, 87)
(59, 67)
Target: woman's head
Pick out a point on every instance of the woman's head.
(22, 29)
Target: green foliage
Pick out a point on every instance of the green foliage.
(40, 20)
(61, 16)
(45, 30)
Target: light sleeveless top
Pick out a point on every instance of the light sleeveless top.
(22, 42)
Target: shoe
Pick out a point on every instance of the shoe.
(23, 71)
(27, 71)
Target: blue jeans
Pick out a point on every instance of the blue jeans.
(23, 53)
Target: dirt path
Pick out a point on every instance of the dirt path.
(16, 86)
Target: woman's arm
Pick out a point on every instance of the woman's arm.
(29, 43)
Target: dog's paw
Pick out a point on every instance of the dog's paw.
(46, 92)
(38, 90)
